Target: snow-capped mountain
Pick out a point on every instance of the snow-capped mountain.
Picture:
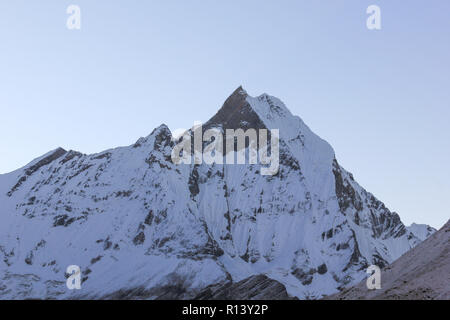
(140, 226)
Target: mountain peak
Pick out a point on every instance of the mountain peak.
(421, 231)
(240, 91)
(44, 159)
(162, 129)
(160, 133)
(236, 113)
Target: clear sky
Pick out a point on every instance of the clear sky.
(381, 98)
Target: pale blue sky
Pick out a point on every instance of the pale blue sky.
(381, 98)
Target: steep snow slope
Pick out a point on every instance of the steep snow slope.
(421, 273)
(140, 226)
(422, 231)
(115, 214)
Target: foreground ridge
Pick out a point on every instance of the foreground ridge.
(422, 273)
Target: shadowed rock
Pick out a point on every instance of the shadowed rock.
(257, 287)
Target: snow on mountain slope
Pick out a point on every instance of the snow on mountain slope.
(422, 273)
(421, 231)
(140, 226)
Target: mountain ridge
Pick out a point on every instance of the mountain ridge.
(311, 227)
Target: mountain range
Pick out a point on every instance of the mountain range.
(141, 227)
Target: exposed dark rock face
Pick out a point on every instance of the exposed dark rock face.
(384, 223)
(163, 138)
(174, 291)
(322, 269)
(193, 183)
(72, 154)
(139, 239)
(253, 288)
(236, 113)
(32, 169)
(347, 196)
(306, 278)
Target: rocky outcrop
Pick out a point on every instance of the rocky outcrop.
(257, 287)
